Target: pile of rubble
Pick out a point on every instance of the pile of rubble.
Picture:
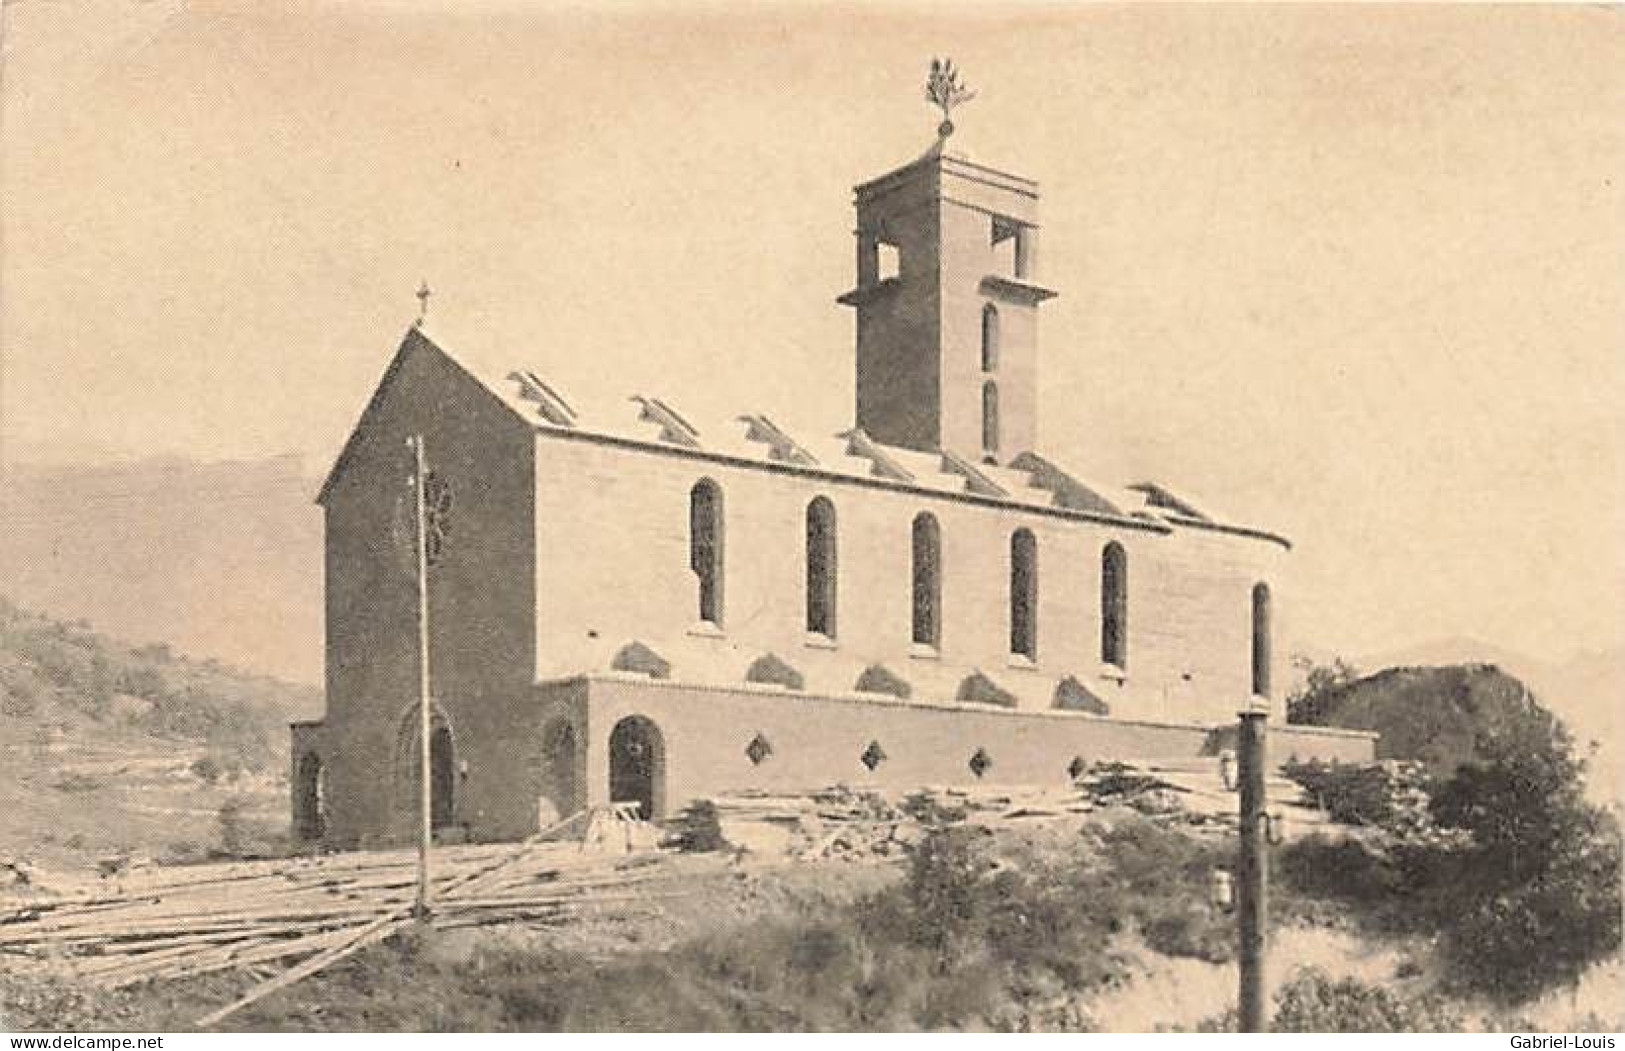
(817, 824)
(852, 823)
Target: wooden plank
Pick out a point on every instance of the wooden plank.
(374, 932)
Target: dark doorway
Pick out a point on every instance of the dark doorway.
(309, 806)
(558, 774)
(637, 762)
(442, 777)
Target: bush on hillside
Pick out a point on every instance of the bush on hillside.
(1315, 1002)
(242, 717)
(1521, 883)
(1310, 702)
(1390, 795)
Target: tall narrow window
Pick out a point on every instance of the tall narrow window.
(1024, 594)
(1114, 606)
(1261, 640)
(705, 535)
(821, 567)
(990, 338)
(927, 581)
(990, 417)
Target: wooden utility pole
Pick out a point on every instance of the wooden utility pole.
(1252, 895)
(425, 712)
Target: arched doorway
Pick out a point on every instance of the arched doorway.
(309, 804)
(559, 783)
(442, 772)
(637, 766)
(442, 777)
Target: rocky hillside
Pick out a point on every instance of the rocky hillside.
(112, 749)
(1441, 716)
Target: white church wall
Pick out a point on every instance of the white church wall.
(613, 566)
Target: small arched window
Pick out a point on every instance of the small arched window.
(927, 542)
(1261, 640)
(705, 543)
(990, 338)
(990, 418)
(821, 586)
(1024, 594)
(1114, 606)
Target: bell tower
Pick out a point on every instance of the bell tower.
(947, 300)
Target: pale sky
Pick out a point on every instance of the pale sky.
(1349, 273)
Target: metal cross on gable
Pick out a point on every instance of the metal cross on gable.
(423, 293)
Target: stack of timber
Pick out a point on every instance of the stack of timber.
(206, 918)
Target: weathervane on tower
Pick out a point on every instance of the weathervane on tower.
(944, 90)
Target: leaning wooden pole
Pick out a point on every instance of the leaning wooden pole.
(1252, 894)
(425, 710)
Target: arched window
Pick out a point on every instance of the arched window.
(705, 536)
(990, 338)
(1114, 606)
(927, 580)
(990, 417)
(1261, 640)
(1024, 594)
(821, 588)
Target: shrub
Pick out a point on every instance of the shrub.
(1391, 795)
(42, 1002)
(1546, 932)
(183, 852)
(702, 831)
(1519, 876)
(1153, 876)
(206, 769)
(140, 680)
(1314, 1002)
(1308, 704)
(21, 690)
(944, 885)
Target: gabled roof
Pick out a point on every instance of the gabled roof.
(511, 396)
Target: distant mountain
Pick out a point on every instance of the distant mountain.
(222, 558)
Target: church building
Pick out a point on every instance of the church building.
(631, 604)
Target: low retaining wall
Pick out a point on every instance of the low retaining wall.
(706, 735)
